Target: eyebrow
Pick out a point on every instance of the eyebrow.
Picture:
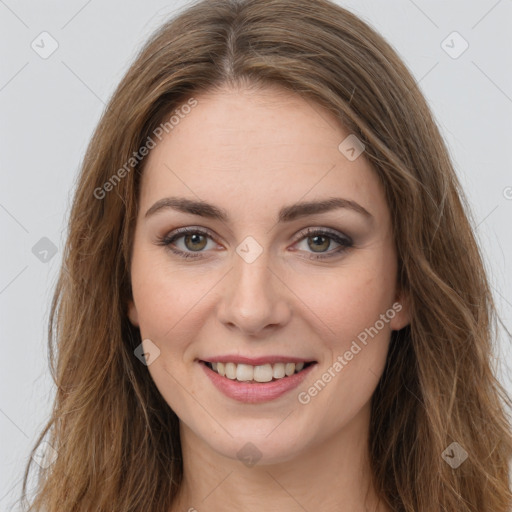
(286, 214)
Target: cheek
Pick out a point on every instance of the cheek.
(355, 312)
(150, 291)
(170, 302)
(351, 299)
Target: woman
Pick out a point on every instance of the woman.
(271, 296)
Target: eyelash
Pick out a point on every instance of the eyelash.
(344, 241)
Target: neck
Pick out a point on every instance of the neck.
(333, 475)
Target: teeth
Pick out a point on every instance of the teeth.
(244, 372)
(289, 369)
(230, 370)
(278, 371)
(261, 373)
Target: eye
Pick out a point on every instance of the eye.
(318, 240)
(194, 240)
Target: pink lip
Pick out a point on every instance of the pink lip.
(255, 392)
(255, 361)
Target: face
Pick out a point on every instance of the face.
(261, 280)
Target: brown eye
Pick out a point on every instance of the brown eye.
(320, 243)
(187, 242)
(194, 242)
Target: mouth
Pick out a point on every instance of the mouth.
(262, 373)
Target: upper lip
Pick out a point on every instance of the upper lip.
(255, 361)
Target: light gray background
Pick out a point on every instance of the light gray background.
(49, 108)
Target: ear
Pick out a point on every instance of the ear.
(132, 313)
(402, 308)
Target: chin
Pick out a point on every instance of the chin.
(262, 444)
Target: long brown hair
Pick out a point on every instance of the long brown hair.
(117, 440)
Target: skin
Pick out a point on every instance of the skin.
(252, 153)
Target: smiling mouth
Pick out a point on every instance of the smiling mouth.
(261, 373)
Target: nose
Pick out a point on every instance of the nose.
(255, 298)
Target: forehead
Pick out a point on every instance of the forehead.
(255, 150)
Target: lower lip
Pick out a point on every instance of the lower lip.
(256, 392)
